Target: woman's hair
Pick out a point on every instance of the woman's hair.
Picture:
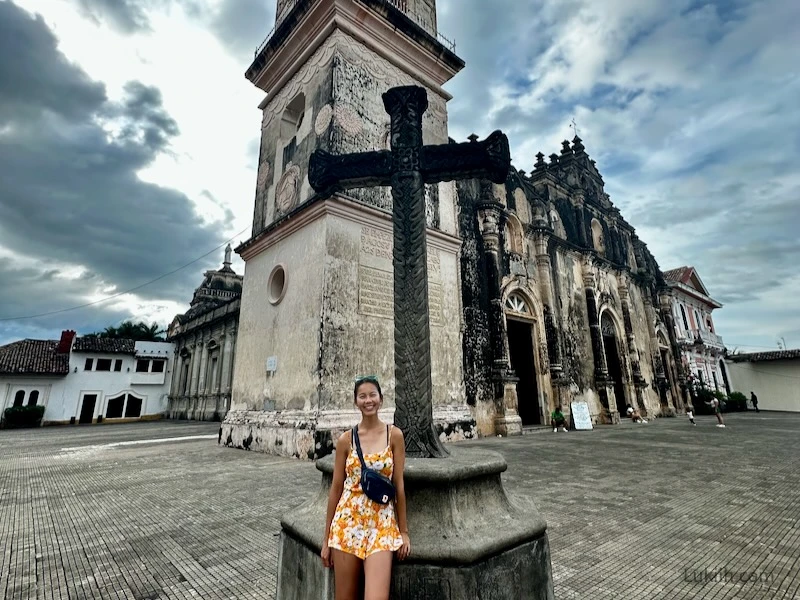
(367, 379)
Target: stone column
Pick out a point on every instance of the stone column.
(175, 381)
(578, 201)
(598, 352)
(227, 362)
(633, 352)
(544, 268)
(194, 367)
(507, 420)
(202, 394)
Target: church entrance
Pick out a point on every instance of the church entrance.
(523, 361)
(614, 362)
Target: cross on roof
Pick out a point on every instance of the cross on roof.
(574, 127)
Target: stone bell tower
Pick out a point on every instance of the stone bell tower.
(317, 305)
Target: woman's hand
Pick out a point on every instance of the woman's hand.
(326, 556)
(405, 549)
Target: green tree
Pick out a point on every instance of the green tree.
(140, 332)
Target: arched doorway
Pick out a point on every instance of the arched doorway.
(611, 347)
(521, 329)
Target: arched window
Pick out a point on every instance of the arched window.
(597, 237)
(514, 239)
(292, 117)
(33, 398)
(685, 320)
(709, 325)
(515, 303)
(19, 398)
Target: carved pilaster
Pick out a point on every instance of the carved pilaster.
(488, 220)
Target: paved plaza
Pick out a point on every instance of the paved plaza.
(662, 510)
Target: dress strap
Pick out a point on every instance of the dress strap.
(387, 434)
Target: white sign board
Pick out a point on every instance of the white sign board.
(272, 364)
(580, 415)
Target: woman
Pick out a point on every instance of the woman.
(360, 533)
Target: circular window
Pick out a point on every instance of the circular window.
(277, 284)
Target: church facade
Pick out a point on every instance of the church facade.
(205, 346)
(562, 301)
(540, 293)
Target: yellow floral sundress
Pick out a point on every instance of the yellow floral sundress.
(361, 526)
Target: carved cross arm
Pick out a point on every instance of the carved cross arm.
(489, 159)
(328, 172)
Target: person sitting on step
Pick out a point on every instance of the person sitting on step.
(557, 420)
(634, 415)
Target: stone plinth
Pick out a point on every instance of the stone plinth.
(469, 538)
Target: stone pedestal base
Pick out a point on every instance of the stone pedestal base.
(310, 435)
(469, 539)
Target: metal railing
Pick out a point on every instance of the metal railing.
(707, 337)
(401, 5)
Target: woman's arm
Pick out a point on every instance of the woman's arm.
(399, 454)
(337, 485)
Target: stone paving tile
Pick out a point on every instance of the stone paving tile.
(648, 511)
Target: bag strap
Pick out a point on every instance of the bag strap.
(358, 448)
(387, 434)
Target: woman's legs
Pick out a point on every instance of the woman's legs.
(347, 575)
(378, 575)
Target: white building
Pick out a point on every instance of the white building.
(701, 348)
(87, 379)
(773, 376)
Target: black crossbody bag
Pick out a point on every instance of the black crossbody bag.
(378, 488)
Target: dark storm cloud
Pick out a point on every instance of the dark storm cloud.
(70, 192)
(127, 16)
(241, 25)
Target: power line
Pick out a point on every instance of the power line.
(133, 289)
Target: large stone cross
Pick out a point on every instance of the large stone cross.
(406, 168)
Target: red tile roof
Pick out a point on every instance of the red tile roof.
(761, 356)
(104, 345)
(33, 357)
(679, 275)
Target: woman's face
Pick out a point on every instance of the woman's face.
(368, 400)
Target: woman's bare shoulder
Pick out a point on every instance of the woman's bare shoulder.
(343, 443)
(397, 435)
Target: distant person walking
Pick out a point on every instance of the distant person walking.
(717, 411)
(690, 414)
(754, 400)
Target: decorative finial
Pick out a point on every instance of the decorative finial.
(554, 159)
(577, 146)
(565, 149)
(473, 138)
(540, 164)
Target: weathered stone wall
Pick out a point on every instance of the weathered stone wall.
(358, 318)
(289, 330)
(340, 89)
(334, 324)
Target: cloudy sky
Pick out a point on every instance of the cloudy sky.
(129, 137)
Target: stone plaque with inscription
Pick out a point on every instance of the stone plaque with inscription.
(376, 281)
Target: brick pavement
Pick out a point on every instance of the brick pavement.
(648, 511)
